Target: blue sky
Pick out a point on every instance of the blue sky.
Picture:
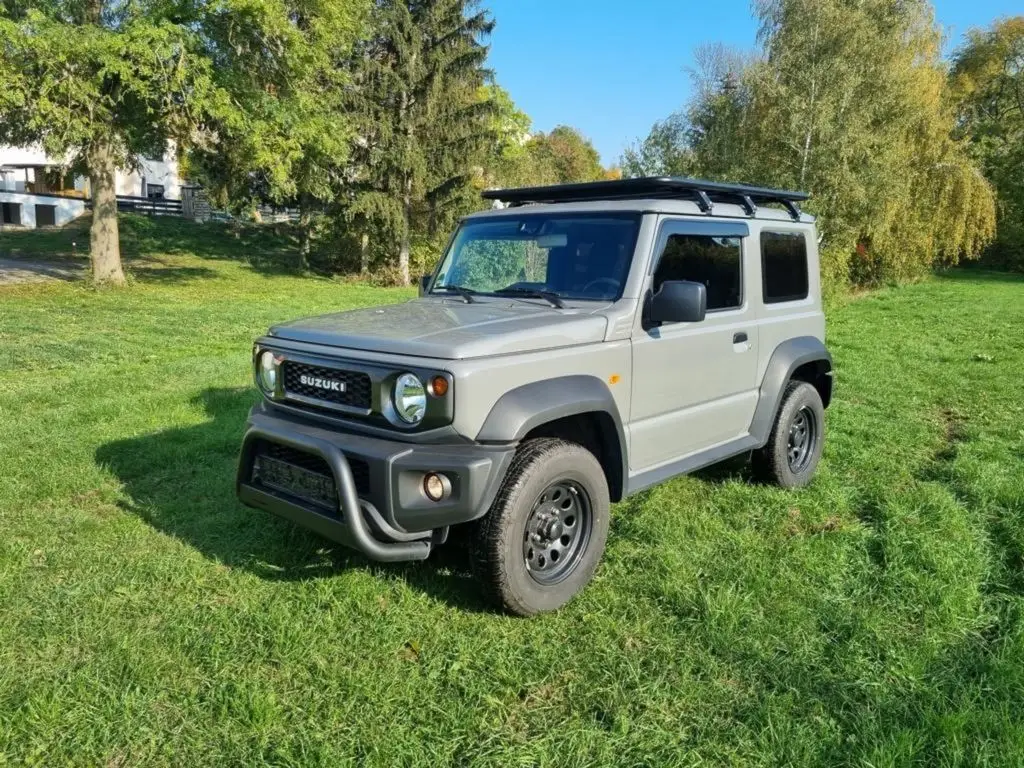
(613, 67)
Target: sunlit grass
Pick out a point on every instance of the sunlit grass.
(148, 618)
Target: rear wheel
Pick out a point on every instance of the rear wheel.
(797, 438)
(544, 535)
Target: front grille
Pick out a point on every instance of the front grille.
(349, 388)
(305, 475)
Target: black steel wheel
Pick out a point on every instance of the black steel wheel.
(543, 537)
(803, 437)
(796, 440)
(557, 532)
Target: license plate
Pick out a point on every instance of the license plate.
(296, 481)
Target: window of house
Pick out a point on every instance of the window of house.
(10, 213)
(708, 259)
(155, 191)
(46, 215)
(783, 266)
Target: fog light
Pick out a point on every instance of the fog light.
(436, 487)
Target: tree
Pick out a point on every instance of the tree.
(849, 102)
(987, 80)
(666, 150)
(101, 83)
(288, 142)
(563, 156)
(506, 161)
(421, 124)
(516, 158)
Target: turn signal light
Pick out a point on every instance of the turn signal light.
(439, 386)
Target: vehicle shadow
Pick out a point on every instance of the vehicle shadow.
(182, 482)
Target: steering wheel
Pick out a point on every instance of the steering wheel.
(610, 280)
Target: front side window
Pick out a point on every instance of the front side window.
(783, 266)
(708, 259)
(583, 257)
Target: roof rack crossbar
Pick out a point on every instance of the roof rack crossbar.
(704, 193)
(793, 208)
(703, 201)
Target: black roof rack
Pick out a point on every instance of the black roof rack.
(704, 193)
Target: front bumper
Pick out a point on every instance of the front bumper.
(380, 509)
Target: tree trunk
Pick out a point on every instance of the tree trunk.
(305, 235)
(104, 242)
(805, 158)
(364, 253)
(403, 251)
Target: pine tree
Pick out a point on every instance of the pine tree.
(421, 124)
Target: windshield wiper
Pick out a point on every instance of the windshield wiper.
(466, 293)
(533, 293)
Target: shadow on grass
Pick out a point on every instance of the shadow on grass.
(182, 482)
(267, 248)
(270, 249)
(970, 273)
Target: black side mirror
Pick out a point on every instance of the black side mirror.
(425, 283)
(679, 301)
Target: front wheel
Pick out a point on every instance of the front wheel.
(545, 532)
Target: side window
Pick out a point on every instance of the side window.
(783, 266)
(714, 261)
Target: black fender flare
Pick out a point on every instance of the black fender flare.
(523, 409)
(785, 360)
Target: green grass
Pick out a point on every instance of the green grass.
(146, 618)
(149, 245)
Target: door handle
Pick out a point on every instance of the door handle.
(739, 338)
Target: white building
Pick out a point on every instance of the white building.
(37, 190)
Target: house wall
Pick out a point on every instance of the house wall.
(24, 156)
(13, 179)
(163, 171)
(66, 208)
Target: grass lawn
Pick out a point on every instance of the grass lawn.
(146, 618)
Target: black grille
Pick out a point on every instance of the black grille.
(313, 463)
(352, 388)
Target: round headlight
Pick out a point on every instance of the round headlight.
(410, 398)
(266, 372)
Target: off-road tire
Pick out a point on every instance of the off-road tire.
(497, 549)
(772, 463)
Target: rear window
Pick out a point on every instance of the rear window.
(783, 266)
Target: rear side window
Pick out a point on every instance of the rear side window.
(783, 266)
(714, 261)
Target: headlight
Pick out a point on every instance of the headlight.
(410, 398)
(266, 372)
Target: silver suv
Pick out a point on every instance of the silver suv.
(574, 346)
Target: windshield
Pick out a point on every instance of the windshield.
(583, 256)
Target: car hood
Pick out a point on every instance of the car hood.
(450, 329)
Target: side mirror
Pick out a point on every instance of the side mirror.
(679, 301)
(425, 283)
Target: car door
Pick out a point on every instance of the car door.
(694, 383)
